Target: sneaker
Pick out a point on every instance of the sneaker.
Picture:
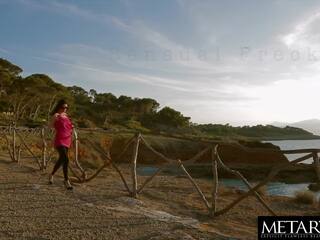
(50, 179)
(68, 185)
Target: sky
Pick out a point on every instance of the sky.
(241, 62)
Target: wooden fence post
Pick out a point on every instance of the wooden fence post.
(76, 154)
(203, 197)
(44, 149)
(19, 153)
(14, 153)
(134, 166)
(254, 189)
(215, 181)
(316, 164)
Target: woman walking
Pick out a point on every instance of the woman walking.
(62, 141)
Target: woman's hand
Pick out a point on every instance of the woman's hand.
(64, 115)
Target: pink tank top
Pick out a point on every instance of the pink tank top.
(63, 127)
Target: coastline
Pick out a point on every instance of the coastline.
(315, 137)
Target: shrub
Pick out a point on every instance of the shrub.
(85, 123)
(136, 125)
(305, 197)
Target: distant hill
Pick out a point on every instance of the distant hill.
(264, 132)
(311, 125)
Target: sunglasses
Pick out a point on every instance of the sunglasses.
(65, 107)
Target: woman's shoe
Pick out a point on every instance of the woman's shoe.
(50, 179)
(68, 185)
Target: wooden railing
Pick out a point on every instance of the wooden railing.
(11, 133)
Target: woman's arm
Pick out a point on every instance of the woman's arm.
(52, 120)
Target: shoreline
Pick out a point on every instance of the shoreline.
(289, 139)
(251, 172)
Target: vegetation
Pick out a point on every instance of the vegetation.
(305, 197)
(259, 131)
(29, 101)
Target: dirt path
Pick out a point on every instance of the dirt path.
(168, 208)
(31, 209)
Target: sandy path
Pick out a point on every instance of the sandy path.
(168, 208)
(31, 209)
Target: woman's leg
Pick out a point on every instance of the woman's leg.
(65, 164)
(65, 169)
(60, 160)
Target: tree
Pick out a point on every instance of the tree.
(32, 99)
(171, 117)
(33, 96)
(8, 73)
(146, 105)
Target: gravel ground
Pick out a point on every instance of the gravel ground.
(168, 208)
(32, 209)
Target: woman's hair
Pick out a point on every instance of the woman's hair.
(58, 106)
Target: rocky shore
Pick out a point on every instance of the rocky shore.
(254, 165)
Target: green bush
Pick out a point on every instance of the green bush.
(136, 125)
(85, 123)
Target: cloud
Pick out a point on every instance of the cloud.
(305, 34)
(194, 74)
(64, 8)
(172, 57)
(79, 57)
(4, 50)
(172, 51)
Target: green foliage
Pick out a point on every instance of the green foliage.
(33, 97)
(11, 69)
(171, 117)
(85, 123)
(258, 131)
(8, 74)
(135, 125)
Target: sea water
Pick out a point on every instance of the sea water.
(297, 144)
(273, 188)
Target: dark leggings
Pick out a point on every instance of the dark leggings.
(63, 159)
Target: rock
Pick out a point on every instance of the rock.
(130, 201)
(314, 187)
(232, 154)
(89, 204)
(176, 235)
(36, 186)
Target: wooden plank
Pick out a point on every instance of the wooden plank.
(156, 152)
(30, 151)
(149, 180)
(196, 186)
(134, 166)
(112, 162)
(316, 164)
(246, 182)
(14, 153)
(76, 154)
(215, 182)
(270, 176)
(44, 149)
